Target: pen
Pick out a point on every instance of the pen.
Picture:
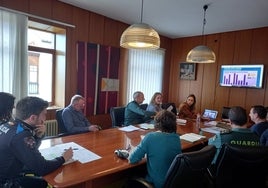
(72, 148)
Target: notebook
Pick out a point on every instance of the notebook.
(210, 114)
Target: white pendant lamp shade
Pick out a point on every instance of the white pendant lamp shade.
(140, 36)
(201, 54)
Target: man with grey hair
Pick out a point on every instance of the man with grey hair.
(73, 118)
(134, 114)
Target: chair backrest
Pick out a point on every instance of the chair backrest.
(144, 106)
(118, 116)
(167, 105)
(190, 169)
(225, 112)
(61, 127)
(239, 166)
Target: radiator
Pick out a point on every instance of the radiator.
(52, 127)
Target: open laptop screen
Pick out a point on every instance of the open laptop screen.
(211, 114)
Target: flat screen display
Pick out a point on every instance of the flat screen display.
(242, 76)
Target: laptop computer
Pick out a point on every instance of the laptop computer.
(210, 114)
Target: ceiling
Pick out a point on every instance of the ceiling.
(183, 18)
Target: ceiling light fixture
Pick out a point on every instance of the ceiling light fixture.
(201, 53)
(140, 36)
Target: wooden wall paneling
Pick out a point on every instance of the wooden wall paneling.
(62, 12)
(195, 86)
(185, 87)
(225, 56)
(121, 27)
(174, 71)
(81, 30)
(41, 8)
(20, 5)
(209, 77)
(96, 29)
(242, 56)
(165, 43)
(259, 55)
(122, 66)
(110, 32)
(71, 70)
(79, 33)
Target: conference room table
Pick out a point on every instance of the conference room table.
(109, 168)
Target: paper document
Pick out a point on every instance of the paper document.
(80, 153)
(192, 137)
(146, 126)
(129, 128)
(181, 121)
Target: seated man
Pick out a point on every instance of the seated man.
(19, 142)
(73, 118)
(258, 116)
(239, 135)
(134, 114)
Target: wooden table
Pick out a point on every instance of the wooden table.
(109, 168)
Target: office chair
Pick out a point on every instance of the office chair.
(239, 166)
(144, 106)
(225, 112)
(118, 116)
(167, 105)
(61, 128)
(187, 170)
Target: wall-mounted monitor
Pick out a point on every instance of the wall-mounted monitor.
(242, 76)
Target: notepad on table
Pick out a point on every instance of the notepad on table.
(192, 137)
(129, 128)
(147, 126)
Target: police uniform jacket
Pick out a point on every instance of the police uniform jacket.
(19, 149)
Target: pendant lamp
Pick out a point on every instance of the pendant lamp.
(140, 36)
(201, 53)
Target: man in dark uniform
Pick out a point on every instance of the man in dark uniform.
(240, 134)
(19, 141)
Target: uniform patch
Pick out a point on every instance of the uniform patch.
(30, 142)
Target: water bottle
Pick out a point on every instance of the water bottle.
(198, 119)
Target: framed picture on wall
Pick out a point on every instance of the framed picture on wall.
(187, 71)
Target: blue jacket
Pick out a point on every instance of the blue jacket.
(259, 128)
(74, 121)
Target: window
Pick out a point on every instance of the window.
(32, 59)
(43, 61)
(145, 70)
(41, 52)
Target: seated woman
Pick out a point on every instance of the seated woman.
(155, 103)
(187, 108)
(160, 147)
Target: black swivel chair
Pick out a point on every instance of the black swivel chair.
(188, 170)
(118, 116)
(144, 106)
(225, 112)
(239, 166)
(61, 128)
(167, 105)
